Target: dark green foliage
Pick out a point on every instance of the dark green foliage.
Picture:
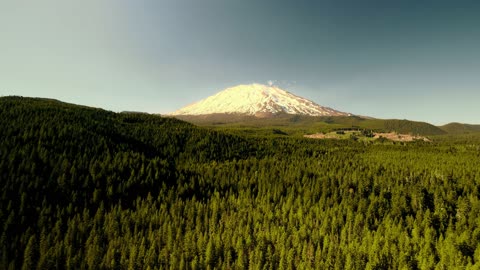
(279, 132)
(412, 127)
(368, 133)
(84, 188)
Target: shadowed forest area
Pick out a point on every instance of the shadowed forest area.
(85, 188)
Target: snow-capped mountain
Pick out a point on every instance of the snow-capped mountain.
(258, 100)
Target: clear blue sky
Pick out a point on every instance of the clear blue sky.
(416, 59)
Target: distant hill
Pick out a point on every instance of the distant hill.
(459, 128)
(406, 126)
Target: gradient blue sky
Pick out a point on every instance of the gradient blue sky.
(417, 60)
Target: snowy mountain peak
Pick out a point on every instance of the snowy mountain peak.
(259, 100)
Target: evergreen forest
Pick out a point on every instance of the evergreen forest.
(85, 188)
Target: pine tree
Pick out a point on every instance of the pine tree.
(30, 254)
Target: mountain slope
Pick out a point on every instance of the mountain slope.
(459, 128)
(55, 155)
(259, 100)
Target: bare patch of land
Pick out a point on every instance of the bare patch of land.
(393, 136)
(321, 136)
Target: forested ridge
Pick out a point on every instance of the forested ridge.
(84, 188)
(300, 124)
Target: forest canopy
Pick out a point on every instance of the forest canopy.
(85, 188)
